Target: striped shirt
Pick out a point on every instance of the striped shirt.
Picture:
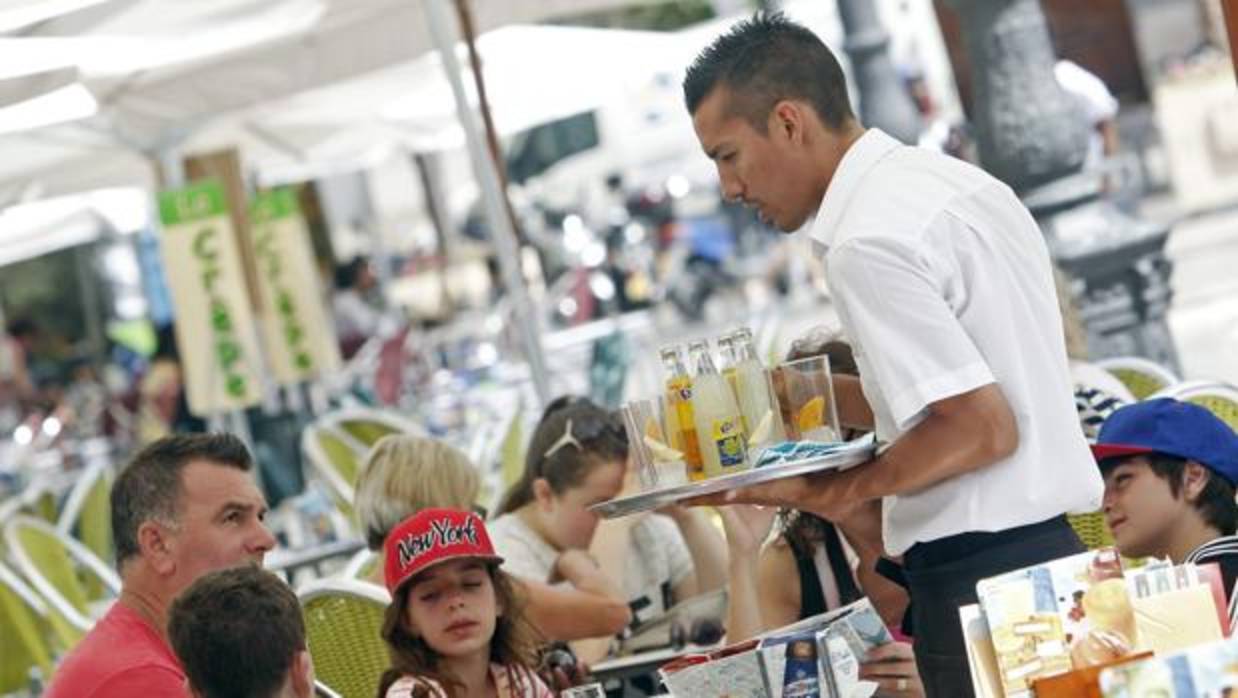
(509, 682)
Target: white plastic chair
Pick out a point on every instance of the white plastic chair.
(52, 562)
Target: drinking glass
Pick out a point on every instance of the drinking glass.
(805, 394)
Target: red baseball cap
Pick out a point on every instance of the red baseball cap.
(432, 536)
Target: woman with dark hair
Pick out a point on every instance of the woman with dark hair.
(810, 567)
(578, 457)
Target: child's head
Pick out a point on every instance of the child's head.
(405, 474)
(577, 458)
(239, 632)
(1163, 462)
(449, 597)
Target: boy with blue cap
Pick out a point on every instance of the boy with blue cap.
(1170, 470)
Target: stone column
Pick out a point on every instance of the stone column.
(884, 101)
(1032, 135)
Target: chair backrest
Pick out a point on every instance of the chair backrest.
(1220, 399)
(366, 426)
(1092, 530)
(343, 622)
(23, 625)
(336, 445)
(511, 451)
(360, 566)
(56, 567)
(88, 511)
(1142, 377)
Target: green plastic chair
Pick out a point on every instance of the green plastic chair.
(1224, 408)
(57, 567)
(343, 625)
(367, 432)
(1092, 530)
(45, 506)
(87, 513)
(1221, 399)
(23, 625)
(511, 451)
(335, 462)
(1142, 377)
(361, 566)
(363, 427)
(336, 445)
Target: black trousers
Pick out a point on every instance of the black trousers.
(941, 576)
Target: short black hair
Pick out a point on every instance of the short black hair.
(236, 632)
(149, 488)
(1216, 502)
(765, 59)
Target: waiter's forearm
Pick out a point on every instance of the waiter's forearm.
(853, 409)
(961, 434)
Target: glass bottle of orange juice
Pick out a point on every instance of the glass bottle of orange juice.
(680, 421)
(719, 425)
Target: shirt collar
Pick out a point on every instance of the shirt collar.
(861, 157)
(1217, 547)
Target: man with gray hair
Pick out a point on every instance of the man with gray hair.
(186, 505)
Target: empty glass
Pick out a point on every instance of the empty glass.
(657, 462)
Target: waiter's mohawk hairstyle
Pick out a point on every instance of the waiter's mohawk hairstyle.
(763, 60)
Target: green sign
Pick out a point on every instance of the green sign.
(195, 202)
(300, 342)
(273, 205)
(214, 323)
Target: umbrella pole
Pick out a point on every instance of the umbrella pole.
(465, 15)
(1229, 8)
(497, 208)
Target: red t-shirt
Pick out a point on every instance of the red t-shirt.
(121, 657)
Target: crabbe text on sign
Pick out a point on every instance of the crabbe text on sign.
(227, 347)
(294, 333)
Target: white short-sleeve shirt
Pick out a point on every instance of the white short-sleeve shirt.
(658, 560)
(943, 284)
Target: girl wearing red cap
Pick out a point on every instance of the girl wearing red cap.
(455, 627)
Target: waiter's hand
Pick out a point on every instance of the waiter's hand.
(831, 495)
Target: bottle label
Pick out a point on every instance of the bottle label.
(728, 436)
(679, 399)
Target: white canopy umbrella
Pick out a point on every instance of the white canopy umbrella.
(163, 72)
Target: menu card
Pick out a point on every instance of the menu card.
(1047, 619)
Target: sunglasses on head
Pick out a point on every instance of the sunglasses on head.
(586, 428)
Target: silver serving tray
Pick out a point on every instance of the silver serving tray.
(840, 459)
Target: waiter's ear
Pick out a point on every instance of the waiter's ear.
(787, 122)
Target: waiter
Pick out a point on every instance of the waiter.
(943, 284)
